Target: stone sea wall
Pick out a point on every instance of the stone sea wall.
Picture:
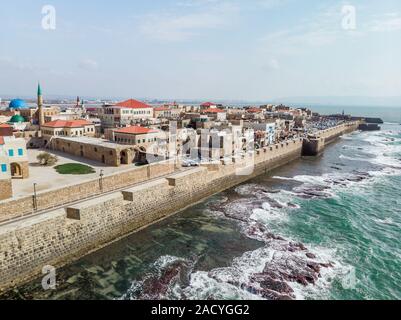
(63, 235)
(53, 198)
(315, 145)
(6, 190)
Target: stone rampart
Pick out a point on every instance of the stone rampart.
(63, 235)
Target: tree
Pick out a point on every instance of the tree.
(47, 159)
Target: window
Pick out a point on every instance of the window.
(20, 152)
(11, 153)
(3, 168)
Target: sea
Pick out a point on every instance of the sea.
(325, 228)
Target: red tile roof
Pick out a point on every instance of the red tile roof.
(4, 125)
(1, 140)
(254, 110)
(162, 109)
(133, 104)
(213, 110)
(135, 130)
(67, 124)
(208, 104)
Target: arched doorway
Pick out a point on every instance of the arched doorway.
(141, 156)
(124, 157)
(16, 170)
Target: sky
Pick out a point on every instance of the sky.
(254, 50)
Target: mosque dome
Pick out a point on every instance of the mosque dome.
(17, 119)
(17, 104)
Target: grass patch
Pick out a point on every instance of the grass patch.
(74, 168)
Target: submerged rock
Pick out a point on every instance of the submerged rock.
(310, 255)
(157, 286)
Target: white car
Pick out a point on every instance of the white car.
(190, 163)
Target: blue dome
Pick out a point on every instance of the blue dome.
(17, 104)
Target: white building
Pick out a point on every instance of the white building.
(125, 113)
(74, 128)
(13, 158)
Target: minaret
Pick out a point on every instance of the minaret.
(40, 106)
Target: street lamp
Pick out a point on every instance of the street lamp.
(101, 180)
(35, 203)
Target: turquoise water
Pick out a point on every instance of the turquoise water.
(361, 223)
(343, 207)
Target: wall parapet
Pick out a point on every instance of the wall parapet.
(48, 199)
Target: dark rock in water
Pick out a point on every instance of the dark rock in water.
(273, 191)
(157, 286)
(314, 191)
(265, 293)
(292, 269)
(336, 168)
(339, 182)
(355, 179)
(268, 283)
(292, 205)
(305, 196)
(340, 164)
(314, 266)
(310, 255)
(274, 204)
(271, 236)
(327, 265)
(317, 194)
(260, 232)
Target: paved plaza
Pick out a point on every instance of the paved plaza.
(47, 177)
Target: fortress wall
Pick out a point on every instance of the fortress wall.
(13, 208)
(314, 146)
(64, 235)
(6, 190)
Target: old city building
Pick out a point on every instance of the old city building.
(125, 113)
(216, 114)
(62, 128)
(166, 112)
(14, 157)
(102, 151)
(6, 130)
(32, 114)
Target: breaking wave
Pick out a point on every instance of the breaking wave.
(282, 268)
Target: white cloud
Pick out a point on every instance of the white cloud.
(322, 29)
(172, 27)
(386, 23)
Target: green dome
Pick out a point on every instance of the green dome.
(17, 119)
